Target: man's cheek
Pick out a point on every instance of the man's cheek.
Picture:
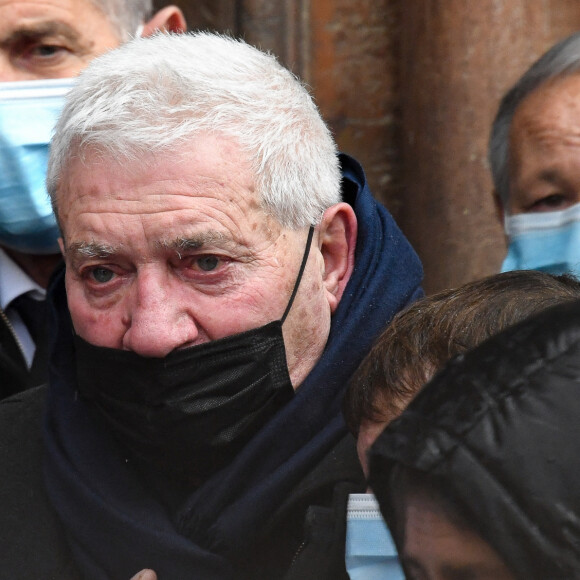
(97, 326)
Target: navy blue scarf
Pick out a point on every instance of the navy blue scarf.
(114, 524)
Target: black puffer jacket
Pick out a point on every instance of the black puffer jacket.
(500, 429)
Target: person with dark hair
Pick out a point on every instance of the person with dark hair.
(424, 336)
(480, 476)
(418, 342)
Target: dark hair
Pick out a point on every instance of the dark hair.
(491, 440)
(424, 336)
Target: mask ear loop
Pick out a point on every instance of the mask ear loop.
(300, 272)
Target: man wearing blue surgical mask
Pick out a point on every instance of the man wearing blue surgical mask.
(41, 40)
(534, 155)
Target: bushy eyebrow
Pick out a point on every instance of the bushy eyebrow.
(551, 176)
(32, 32)
(90, 250)
(197, 241)
(79, 251)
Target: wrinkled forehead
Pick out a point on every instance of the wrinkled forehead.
(552, 106)
(208, 180)
(201, 159)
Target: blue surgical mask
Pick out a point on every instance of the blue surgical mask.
(370, 551)
(28, 113)
(546, 241)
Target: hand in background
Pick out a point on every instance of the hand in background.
(145, 575)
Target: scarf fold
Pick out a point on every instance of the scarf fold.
(115, 525)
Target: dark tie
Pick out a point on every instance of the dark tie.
(33, 314)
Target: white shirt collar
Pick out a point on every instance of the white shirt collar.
(14, 282)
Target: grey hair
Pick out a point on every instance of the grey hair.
(562, 59)
(125, 15)
(154, 94)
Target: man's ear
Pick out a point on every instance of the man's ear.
(337, 241)
(168, 19)
(499, 209)
(61, 245)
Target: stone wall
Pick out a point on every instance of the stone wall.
(410, 88)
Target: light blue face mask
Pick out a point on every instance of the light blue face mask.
(546, 241)
(28, 112)
(370, 551)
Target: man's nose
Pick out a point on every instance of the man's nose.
(158, 320)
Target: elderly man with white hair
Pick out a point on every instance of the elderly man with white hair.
(226, 271)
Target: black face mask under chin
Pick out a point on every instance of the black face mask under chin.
(190, 412)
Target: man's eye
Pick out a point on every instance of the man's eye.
(553, 202)
(46, 50)
(207, 263)
(102, 275)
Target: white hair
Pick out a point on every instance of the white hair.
(562, 59)
(125, 15)
(154, 94)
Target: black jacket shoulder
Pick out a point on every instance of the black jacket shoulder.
(32, 543)
(309, 528)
